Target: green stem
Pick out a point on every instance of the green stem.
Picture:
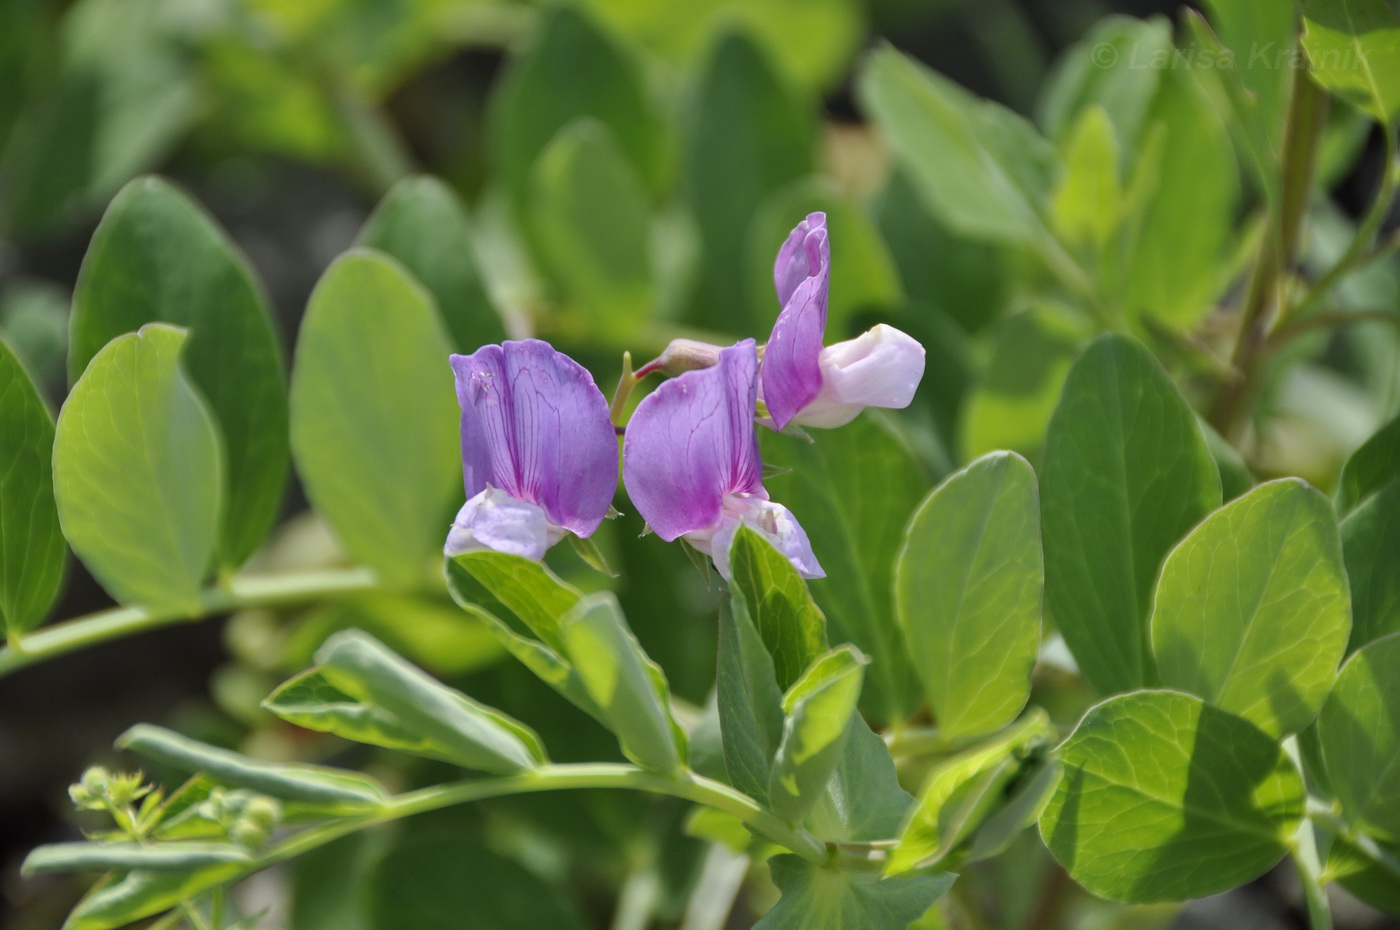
(267, 590)
(625, 384)
(721, 877)
(1283, 335)
(1324, 816)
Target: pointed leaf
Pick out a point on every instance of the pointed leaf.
(750, 702)
(816, 710)
(776, 600)
(826, 899)
(863, 802)
(1371, 467)
(1354, 48)
(103, 857)
(1360, 741)
(1370, 542)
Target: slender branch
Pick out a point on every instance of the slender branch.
(1329, 320)
(263, 590)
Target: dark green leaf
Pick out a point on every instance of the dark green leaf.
(816, 710)
(140, 894)
(1370, 541)
(750, 702)
(1166, 798)
(423, 225)
(160, 857)
(1252, 610)
(138, 473)
(1371, 467)
(863, 802)
(827, 899)
(1126, 473)
(968, 587)
(31, 542)
(776, 600)
(158, 257)
(1354, 49)
(1361, 740)
(374, 416)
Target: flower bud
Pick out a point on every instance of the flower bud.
(680, 356)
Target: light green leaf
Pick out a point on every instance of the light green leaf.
(827, 899)
(1087, 204)
(374, 415)
(470, 734)
(750, 702)
(816, 710)
(1354, 49)
(961, 794)
(626, 686)
(1370, 468)
(31, 543)
(423, 224)
(776, 600)
(143, 893)
(749, 135)
(1126, 473)
(968, 587)
(1372, 873)
(1261, 35)
(1252, 610)
(338, 789)
(853, 489)
(1370, 541)
(524, 587)
(1166, 798)
(158, 257)
(138, 473)
(1117, 66)
(1360, 741)
(102, 857)
(572, 68)
(591, 223)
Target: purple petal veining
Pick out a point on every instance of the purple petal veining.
(792, 377)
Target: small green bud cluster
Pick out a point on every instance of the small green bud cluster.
(247, 817)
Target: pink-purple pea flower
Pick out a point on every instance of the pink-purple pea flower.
(692, 468)
(802, 382)
(539, 453)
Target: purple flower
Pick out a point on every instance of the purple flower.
(692, 468)
(813, 386)
(539, 453)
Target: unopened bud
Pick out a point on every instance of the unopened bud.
(680, 356)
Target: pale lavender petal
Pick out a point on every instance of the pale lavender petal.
(791, 377)
(773, 521)
(495, 520)
(535, 425)
(880, 368)
(691, 441)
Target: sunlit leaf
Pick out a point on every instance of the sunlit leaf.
(1360, 741)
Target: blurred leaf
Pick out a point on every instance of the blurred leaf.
(1261, 35)
(1370, 468)
(1023, 802)
(1235, 477)
(440, 881)
(130, 897)
(328, 883)
(627, 687)
(32, 550)
(776, 601)
(34, 321)
(1370, 543)
(138, 473)
(158, 257)
(572, 68)
(853, 490)
(1252, 612)
(374, 417)
(1360, 741)
(472, 735)
(749, 134)
(1360, 874)
(423, 225)
(962, 793)
(1354, 49)
(1011, 404)
(968, 587)
(1126, 473)
(750, 702)
(828, 899)
(102, 857)
(1087, 205)
(1165, 798)
(339, 790)
(26, 57)
(816, 711)
(592, 223)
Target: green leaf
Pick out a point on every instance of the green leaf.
(340, 790)
(863, 801)
(138, 473)
(591, 222)
(815, 898)
(1261, 35)
(102, 857)
(1012, 402)
(1166, 798)
(775, 599)
(1235, 477)
(1360, 741)
(1370, 468)
(1370, 539)
(1087, 204)
(1354, 49)
(1252, 610)
(526, 588)
(140, 894)
(374, 416)
(31, 543)
(959, 795)
(1372, 874)
(750, 701)
(816, 710)
(1115, 66)
(853, 490)
(570, 69)
(1023, 803)
(470, 734)
(749, 135)
(968, 586)
(158, 257)
(1126, 473)
(423, 224)
(627, 687)
(983, 169)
